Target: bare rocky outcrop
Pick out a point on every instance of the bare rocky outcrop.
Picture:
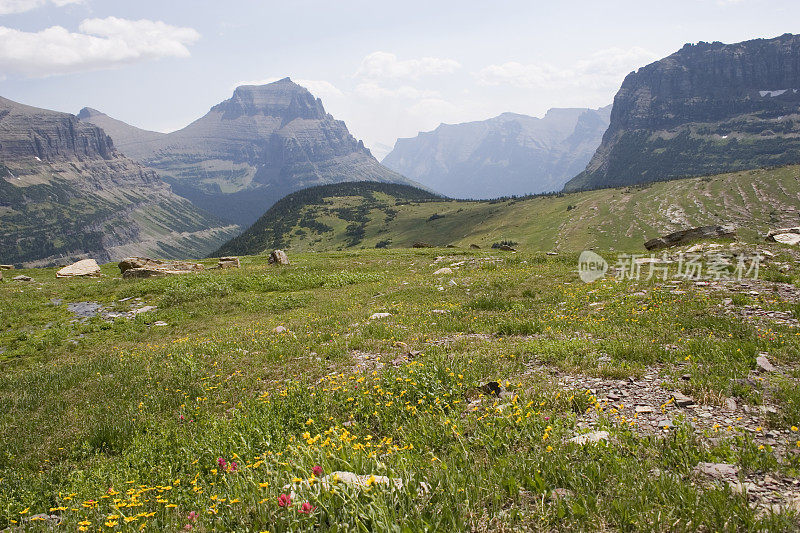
(709, 108)
(68, 194)
(688, 235)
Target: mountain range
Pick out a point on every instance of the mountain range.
(507, 155)
(708, 108)
(249, 151)
(67, 193)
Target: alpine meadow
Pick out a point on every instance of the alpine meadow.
(412, 268)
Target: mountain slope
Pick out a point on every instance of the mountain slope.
(67, 193)
(621, 219)
(251, 150)
(130, 140)
(347, 206)
(708, 108)
(507, 155)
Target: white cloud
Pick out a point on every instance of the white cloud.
(603, 69)
(375, 91)
(319, 88)
(98, 44)
(384, 65)
(8, 7)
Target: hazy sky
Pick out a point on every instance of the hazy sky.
(389, 69)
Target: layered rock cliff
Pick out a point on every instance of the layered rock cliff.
(507, 155)
(249, 151)
(706, 109)
(66, 193)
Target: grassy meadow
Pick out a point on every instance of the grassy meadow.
(200, 416)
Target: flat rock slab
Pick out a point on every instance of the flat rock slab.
(83, 268)
(378, 316)
(143, 267)
(719, 471)
(590, 438)
(228, 262)
(684, 236)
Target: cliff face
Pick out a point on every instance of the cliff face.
(706, 109)
(507, 155)
(256, 147)
(66, 193)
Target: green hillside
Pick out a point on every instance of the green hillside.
(346, 216)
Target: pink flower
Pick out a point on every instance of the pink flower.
(284, 500)
(317, 470)
(222, 462)
(231, 467)
(306, 508)
(192, 516)
(181, 418)
(188, 527)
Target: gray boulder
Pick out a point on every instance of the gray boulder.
(688, 235)
(278, 257)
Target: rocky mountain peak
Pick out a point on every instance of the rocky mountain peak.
(706, 109)
(49, 136)
(87, 113)
(282, 98)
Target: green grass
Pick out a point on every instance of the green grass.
(103, 422)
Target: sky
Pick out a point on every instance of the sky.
(388, 69)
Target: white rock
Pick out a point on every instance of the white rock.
(85, 267)
(590, 438)
(280, 329)
(787, 238)
(377, 316)
(443, 271)
(763, 363)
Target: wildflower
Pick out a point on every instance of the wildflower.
(284, 500)
(222, 462)
(306, 508)
(794, 428)
(232, 466)
(317, 470)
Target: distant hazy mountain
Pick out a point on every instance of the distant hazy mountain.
(507, 155)
(251, 150)
(706, 109)
(67, 193)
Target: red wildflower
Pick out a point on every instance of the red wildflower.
(306, 508)
(284, 500)
(222, 462)
(317, 470)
